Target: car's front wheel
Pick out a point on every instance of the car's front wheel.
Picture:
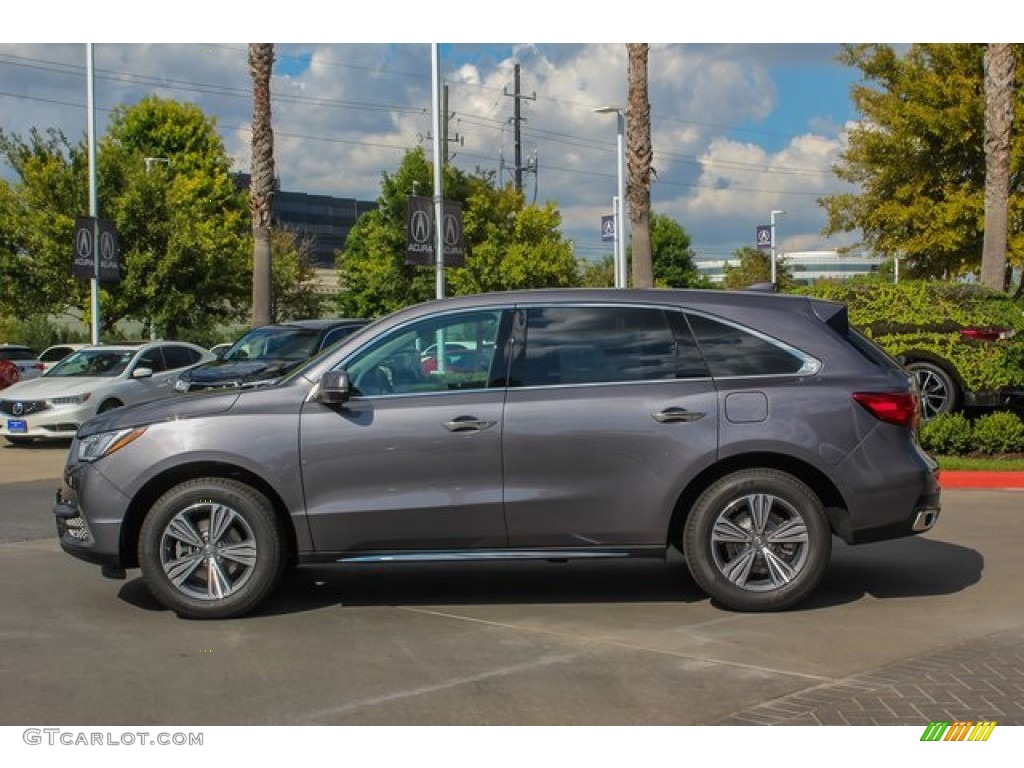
(211, 548)
(757, 540)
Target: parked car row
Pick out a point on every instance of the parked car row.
(53, 395)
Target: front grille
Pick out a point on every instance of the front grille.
(22, 407)
(199, 387)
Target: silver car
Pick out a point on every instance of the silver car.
(744, 429)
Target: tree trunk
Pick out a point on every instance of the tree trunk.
(639, 155)
(998, 120)
(261, 183)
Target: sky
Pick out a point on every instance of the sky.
(747, 117)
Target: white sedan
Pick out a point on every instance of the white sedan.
(90, 381)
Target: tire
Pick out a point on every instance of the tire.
(109, 405)
(939, 392)
(203, 575)
(19, 441)
(748, 565)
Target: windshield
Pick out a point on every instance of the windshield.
(274, 344)
(93, 362)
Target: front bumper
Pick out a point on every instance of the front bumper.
(89, 512)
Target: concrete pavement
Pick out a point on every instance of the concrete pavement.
(904, 632)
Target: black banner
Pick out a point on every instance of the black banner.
(419, 233)
(92, 236)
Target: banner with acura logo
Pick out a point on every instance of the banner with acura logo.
(419, 233)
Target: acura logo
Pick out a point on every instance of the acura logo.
(419, 227)
(18, 409)
(452, 235)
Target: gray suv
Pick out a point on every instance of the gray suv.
(744, 429)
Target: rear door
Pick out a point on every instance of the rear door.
(610, 411)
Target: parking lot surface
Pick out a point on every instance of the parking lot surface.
(902, 632)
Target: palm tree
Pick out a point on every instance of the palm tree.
(639, 155)
(261, 186)
(999, 67)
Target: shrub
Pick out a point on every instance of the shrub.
(999, 433)
(927, 317)
(949, 434)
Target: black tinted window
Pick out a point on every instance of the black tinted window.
(584, 345)
(152, 359)
(179, 357)
(16, 353)
(732, 351)
(337, 334)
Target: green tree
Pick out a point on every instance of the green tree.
(294, 288)
(181, 222)
(918, 159)
(597, 274)
(37, 219)
(509, 245)
(674, 266)
(755, 267)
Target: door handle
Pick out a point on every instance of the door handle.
(467, 424)
(677, 414)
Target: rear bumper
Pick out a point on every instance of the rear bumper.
(1003, 398)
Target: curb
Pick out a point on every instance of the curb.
(990, 480)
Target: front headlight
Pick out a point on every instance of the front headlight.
(102, 444)
(70, 399)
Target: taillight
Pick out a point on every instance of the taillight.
(987, 334)
(900, 408)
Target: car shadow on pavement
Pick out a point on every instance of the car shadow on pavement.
(913, 567)
(909, 567)
(42, 444)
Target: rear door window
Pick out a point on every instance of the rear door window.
(595, 344)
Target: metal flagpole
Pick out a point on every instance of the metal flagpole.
(94, 283)
(435, 78)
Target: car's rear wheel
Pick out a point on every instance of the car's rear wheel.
(757, 540)
(939, 392)
(211, 548)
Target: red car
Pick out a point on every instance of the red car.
(9, 373)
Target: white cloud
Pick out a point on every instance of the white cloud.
(345, 113)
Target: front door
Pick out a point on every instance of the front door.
(413, 460)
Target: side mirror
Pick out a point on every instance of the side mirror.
(142, 373)
(335, 387)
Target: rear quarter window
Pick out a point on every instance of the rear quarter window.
(731, 351)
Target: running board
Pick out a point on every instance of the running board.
(482, 555)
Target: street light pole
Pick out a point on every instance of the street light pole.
(774, 214)
(621, 280)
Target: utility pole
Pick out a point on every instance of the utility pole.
(516, 121)
(445, 138)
